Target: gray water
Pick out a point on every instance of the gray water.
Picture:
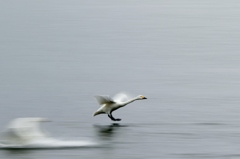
(182, 55)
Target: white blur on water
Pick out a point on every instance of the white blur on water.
(183, 55)
(25, 133)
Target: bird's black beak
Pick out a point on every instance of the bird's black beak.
(144, 98)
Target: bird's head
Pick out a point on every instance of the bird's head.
(141, 97)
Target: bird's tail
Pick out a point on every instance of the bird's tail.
(97, 113)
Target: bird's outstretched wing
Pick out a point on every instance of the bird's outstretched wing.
(120, 97)
(104, 100)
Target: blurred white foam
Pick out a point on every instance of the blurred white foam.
(48, 143)
(26, 133)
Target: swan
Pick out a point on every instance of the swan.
(24, 133)
(108, 104)
(25, 130)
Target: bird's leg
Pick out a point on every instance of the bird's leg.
(112, 118)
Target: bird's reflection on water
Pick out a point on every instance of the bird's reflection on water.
(19, 153)
(108, 131)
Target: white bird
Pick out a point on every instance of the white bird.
(26, 133)
(108, 105)
(25, 130)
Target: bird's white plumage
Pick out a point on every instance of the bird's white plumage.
(121, 97)
(25, 130)
(108, 105)
(104, 100)
(24, 133)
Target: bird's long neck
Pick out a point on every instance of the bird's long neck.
(129, 101)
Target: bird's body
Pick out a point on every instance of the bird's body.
(24, 133)
(25, 130)
(108, 105)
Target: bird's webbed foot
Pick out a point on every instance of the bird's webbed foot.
(112, 118)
